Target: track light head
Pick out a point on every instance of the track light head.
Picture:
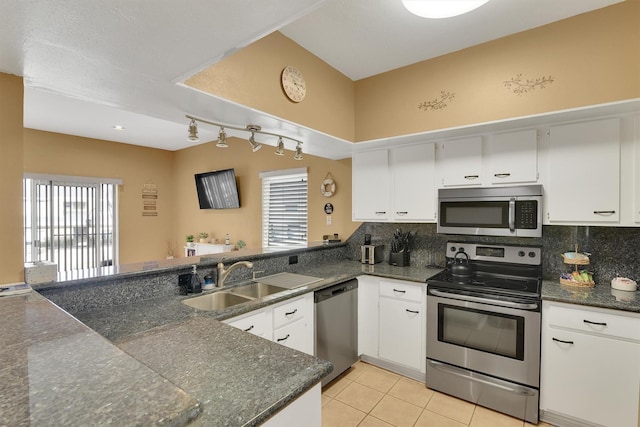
(222, 139)
(193, 131)
(298, 154)
(280, 149)
(255, 146)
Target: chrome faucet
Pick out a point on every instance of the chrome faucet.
(222, 273)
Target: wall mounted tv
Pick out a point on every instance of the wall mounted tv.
(217, 189)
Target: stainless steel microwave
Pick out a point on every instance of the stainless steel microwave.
(496, 211)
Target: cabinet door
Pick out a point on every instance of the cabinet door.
(297, 335)
(414, 185)
(513, 157)
(462, 162)
(370, 186)
(401, 330)
(368, 316)
(590, 378)
(584, 172)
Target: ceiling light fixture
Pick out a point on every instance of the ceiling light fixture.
(193, 131)
(298, 154)
(253, 129)
(280, 149)
(119, 127)
(222, 139)
(437, 9)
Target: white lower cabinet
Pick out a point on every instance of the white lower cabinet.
(392, 324)
(290, 323)
(307, 407)
(590, 366)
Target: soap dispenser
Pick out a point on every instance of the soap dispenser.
(195, 285)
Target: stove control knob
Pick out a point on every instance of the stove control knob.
(453, 249)
(521, 253)
(532, 254)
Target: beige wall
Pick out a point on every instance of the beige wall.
(245, 223)
(141, 238)
(251, 77)
(11, 249)
(593, 58)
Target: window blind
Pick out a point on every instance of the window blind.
(284, 208)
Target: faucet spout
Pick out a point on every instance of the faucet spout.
(222, 273)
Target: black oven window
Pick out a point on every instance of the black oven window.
(494, 333)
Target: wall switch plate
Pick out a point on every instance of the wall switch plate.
(328, 219)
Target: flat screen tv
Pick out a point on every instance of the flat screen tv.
(217, 189)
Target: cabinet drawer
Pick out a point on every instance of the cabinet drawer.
(599, 322)
(296, 336)
(255, 323)
(289, 312)
(401, 290)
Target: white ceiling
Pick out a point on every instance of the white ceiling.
(89, 65)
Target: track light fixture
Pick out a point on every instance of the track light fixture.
(222, 139)
(280, 148)
(298, 154)
(254, 129)
(193, 131)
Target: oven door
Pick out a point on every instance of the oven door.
(485, 335)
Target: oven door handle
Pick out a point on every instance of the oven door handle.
(467, 376)
(469, 298)
(512, 214)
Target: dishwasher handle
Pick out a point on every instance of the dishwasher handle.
(335, 290)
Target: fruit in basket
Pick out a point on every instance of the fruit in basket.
(585, 276)
(577, 277)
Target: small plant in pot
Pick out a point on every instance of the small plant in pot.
(190, 240)
(203, 237)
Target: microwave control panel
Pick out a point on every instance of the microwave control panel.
(527, 214)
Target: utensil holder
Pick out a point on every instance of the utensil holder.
(400, 259)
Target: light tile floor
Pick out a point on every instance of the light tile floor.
(368, 396)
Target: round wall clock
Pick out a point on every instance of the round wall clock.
(293, 83)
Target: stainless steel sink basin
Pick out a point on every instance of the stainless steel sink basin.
(215, 301)
(257, 290)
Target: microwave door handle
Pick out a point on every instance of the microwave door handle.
(512, 214)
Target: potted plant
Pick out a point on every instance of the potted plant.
(203, 237)
(190, 240)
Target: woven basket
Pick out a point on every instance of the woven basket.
(574, 261)
(577, 284)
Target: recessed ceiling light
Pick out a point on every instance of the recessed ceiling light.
(441, 8)
(118, 127)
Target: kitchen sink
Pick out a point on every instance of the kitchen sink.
(257, 290)
(216, 301)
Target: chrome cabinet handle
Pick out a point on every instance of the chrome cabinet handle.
(502, 175)
(595, 323)
(291, 312)
(282, 339)
(249, 328)
(471, 177)
(604, 212)
(562, 341)
(411, 311)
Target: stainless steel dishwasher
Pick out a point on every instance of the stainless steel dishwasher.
(337, 326)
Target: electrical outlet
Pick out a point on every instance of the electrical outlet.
(293, 259)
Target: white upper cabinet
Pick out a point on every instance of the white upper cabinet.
(513, 157)
(584, 172)
(395, 185)
(371, 186)
(414, 189)
(461, 162)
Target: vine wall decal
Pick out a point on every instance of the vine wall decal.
(520, 86)
(438, 103)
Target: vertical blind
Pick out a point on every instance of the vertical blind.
(70, 223)
(284, 207)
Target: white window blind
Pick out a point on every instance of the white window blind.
(284, 207)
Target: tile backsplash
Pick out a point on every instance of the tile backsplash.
(614, 250)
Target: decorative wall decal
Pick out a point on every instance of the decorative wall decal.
(518, 86)
(438, 103)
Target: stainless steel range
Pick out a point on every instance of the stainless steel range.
(483, 327)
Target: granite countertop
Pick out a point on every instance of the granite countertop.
(601, 296)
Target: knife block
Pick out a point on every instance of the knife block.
(399, 259)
